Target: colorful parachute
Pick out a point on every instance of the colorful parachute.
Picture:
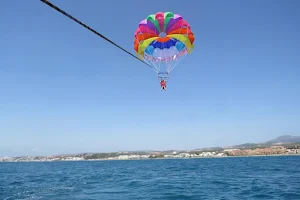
(162, 40)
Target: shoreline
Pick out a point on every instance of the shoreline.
(95, 160)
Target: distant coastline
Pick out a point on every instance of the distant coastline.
(155, 156)
(281, 146)
(95, 160)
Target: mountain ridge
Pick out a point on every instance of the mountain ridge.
(280, 140)
(285, 139)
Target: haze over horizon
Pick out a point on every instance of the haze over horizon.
(65, 90)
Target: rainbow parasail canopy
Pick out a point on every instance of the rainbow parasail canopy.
(163, 40)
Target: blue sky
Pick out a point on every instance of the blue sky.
(65, 90)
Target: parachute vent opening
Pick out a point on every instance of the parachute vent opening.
(162, 35)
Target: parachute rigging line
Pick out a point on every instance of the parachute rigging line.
(92, 30)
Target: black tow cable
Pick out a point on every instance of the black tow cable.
(89, 28)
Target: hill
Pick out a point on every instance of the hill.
(284, 139)
(281, 140)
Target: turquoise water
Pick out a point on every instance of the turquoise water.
(212, 178)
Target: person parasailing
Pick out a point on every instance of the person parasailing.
(163, 84)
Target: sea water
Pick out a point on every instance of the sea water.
(274, 177)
